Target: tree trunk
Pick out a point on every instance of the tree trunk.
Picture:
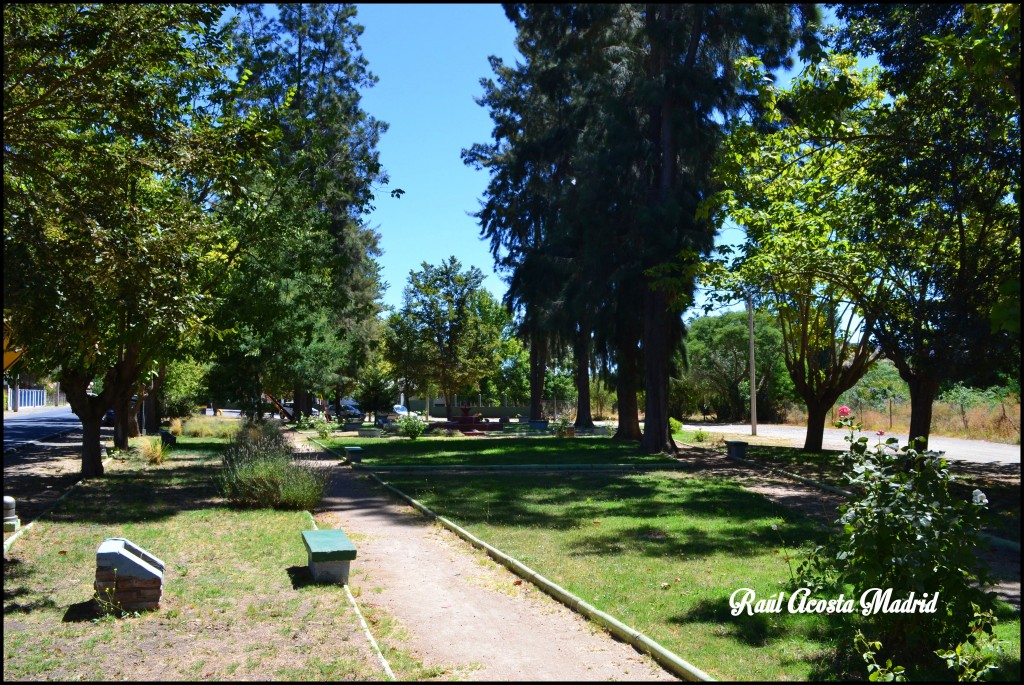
(152, 406)
(581, 357)
(538, 367)
(922, 395)
(657, 434)
(625, 390)
(89, 410)
(817, 412)
(92, 450)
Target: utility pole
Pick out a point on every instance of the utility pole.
(753, 378)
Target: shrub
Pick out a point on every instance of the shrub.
(175, 427)
(259, 472)
(411, 427)
(675, 425)
(904, 530)
(153, 450)
(322, 426)
(700, 436)
(201, 426)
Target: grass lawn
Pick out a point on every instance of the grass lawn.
(237, 602)
(496, 451)
(1000, 482)
(662, 552)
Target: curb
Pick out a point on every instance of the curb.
(673, 662)
(362, 621)
(991, 539)
(665, 657)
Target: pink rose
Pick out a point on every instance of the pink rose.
(880, 433)
(844, 411)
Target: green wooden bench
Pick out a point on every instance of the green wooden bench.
(330, 552)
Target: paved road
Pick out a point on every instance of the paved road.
(31, 426)
(979, 451)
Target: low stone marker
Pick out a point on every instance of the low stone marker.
(330, 554)
(11, 520)
(355, 454)
(128, 577)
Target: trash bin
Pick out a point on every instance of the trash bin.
(737, 449)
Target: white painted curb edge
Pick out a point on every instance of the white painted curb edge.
(362, 621)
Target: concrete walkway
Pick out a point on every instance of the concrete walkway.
(461, 611)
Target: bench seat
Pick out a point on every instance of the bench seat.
(330, 553)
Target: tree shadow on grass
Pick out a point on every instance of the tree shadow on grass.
(141, 495)
(647, 515)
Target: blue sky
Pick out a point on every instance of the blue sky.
(429, 60)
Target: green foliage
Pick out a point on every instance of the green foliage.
(259, 471)
(322, 426)
(877, 673)
(675, 425)
(376, 391)
(116, 141)
(719, 367)
(182, 387)
(455, 328)
(601, 398)
(904, 519)
(973, 660)
(411, 427)
(561, 424)
(622, 88)
(300, 241)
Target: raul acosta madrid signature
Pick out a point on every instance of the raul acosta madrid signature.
(872, 601)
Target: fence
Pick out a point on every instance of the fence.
(31, 398)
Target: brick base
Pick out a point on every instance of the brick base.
(128, 594)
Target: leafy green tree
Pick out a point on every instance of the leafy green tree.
(719, 361)
(118, 134)
(376, 391)
(302, 244)
(453, 319)
(183, 387)
(942, 220)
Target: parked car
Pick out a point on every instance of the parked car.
(403, 411)
(350, 411)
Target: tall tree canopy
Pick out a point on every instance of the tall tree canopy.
(604, 141)
(298, 312)
(118, 134)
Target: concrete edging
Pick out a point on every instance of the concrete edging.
(992, 539)
(665, 657)
(362, 621)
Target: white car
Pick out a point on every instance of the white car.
(402, 410)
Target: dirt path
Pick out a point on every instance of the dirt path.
(460, 610)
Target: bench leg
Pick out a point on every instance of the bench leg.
(330, 571)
